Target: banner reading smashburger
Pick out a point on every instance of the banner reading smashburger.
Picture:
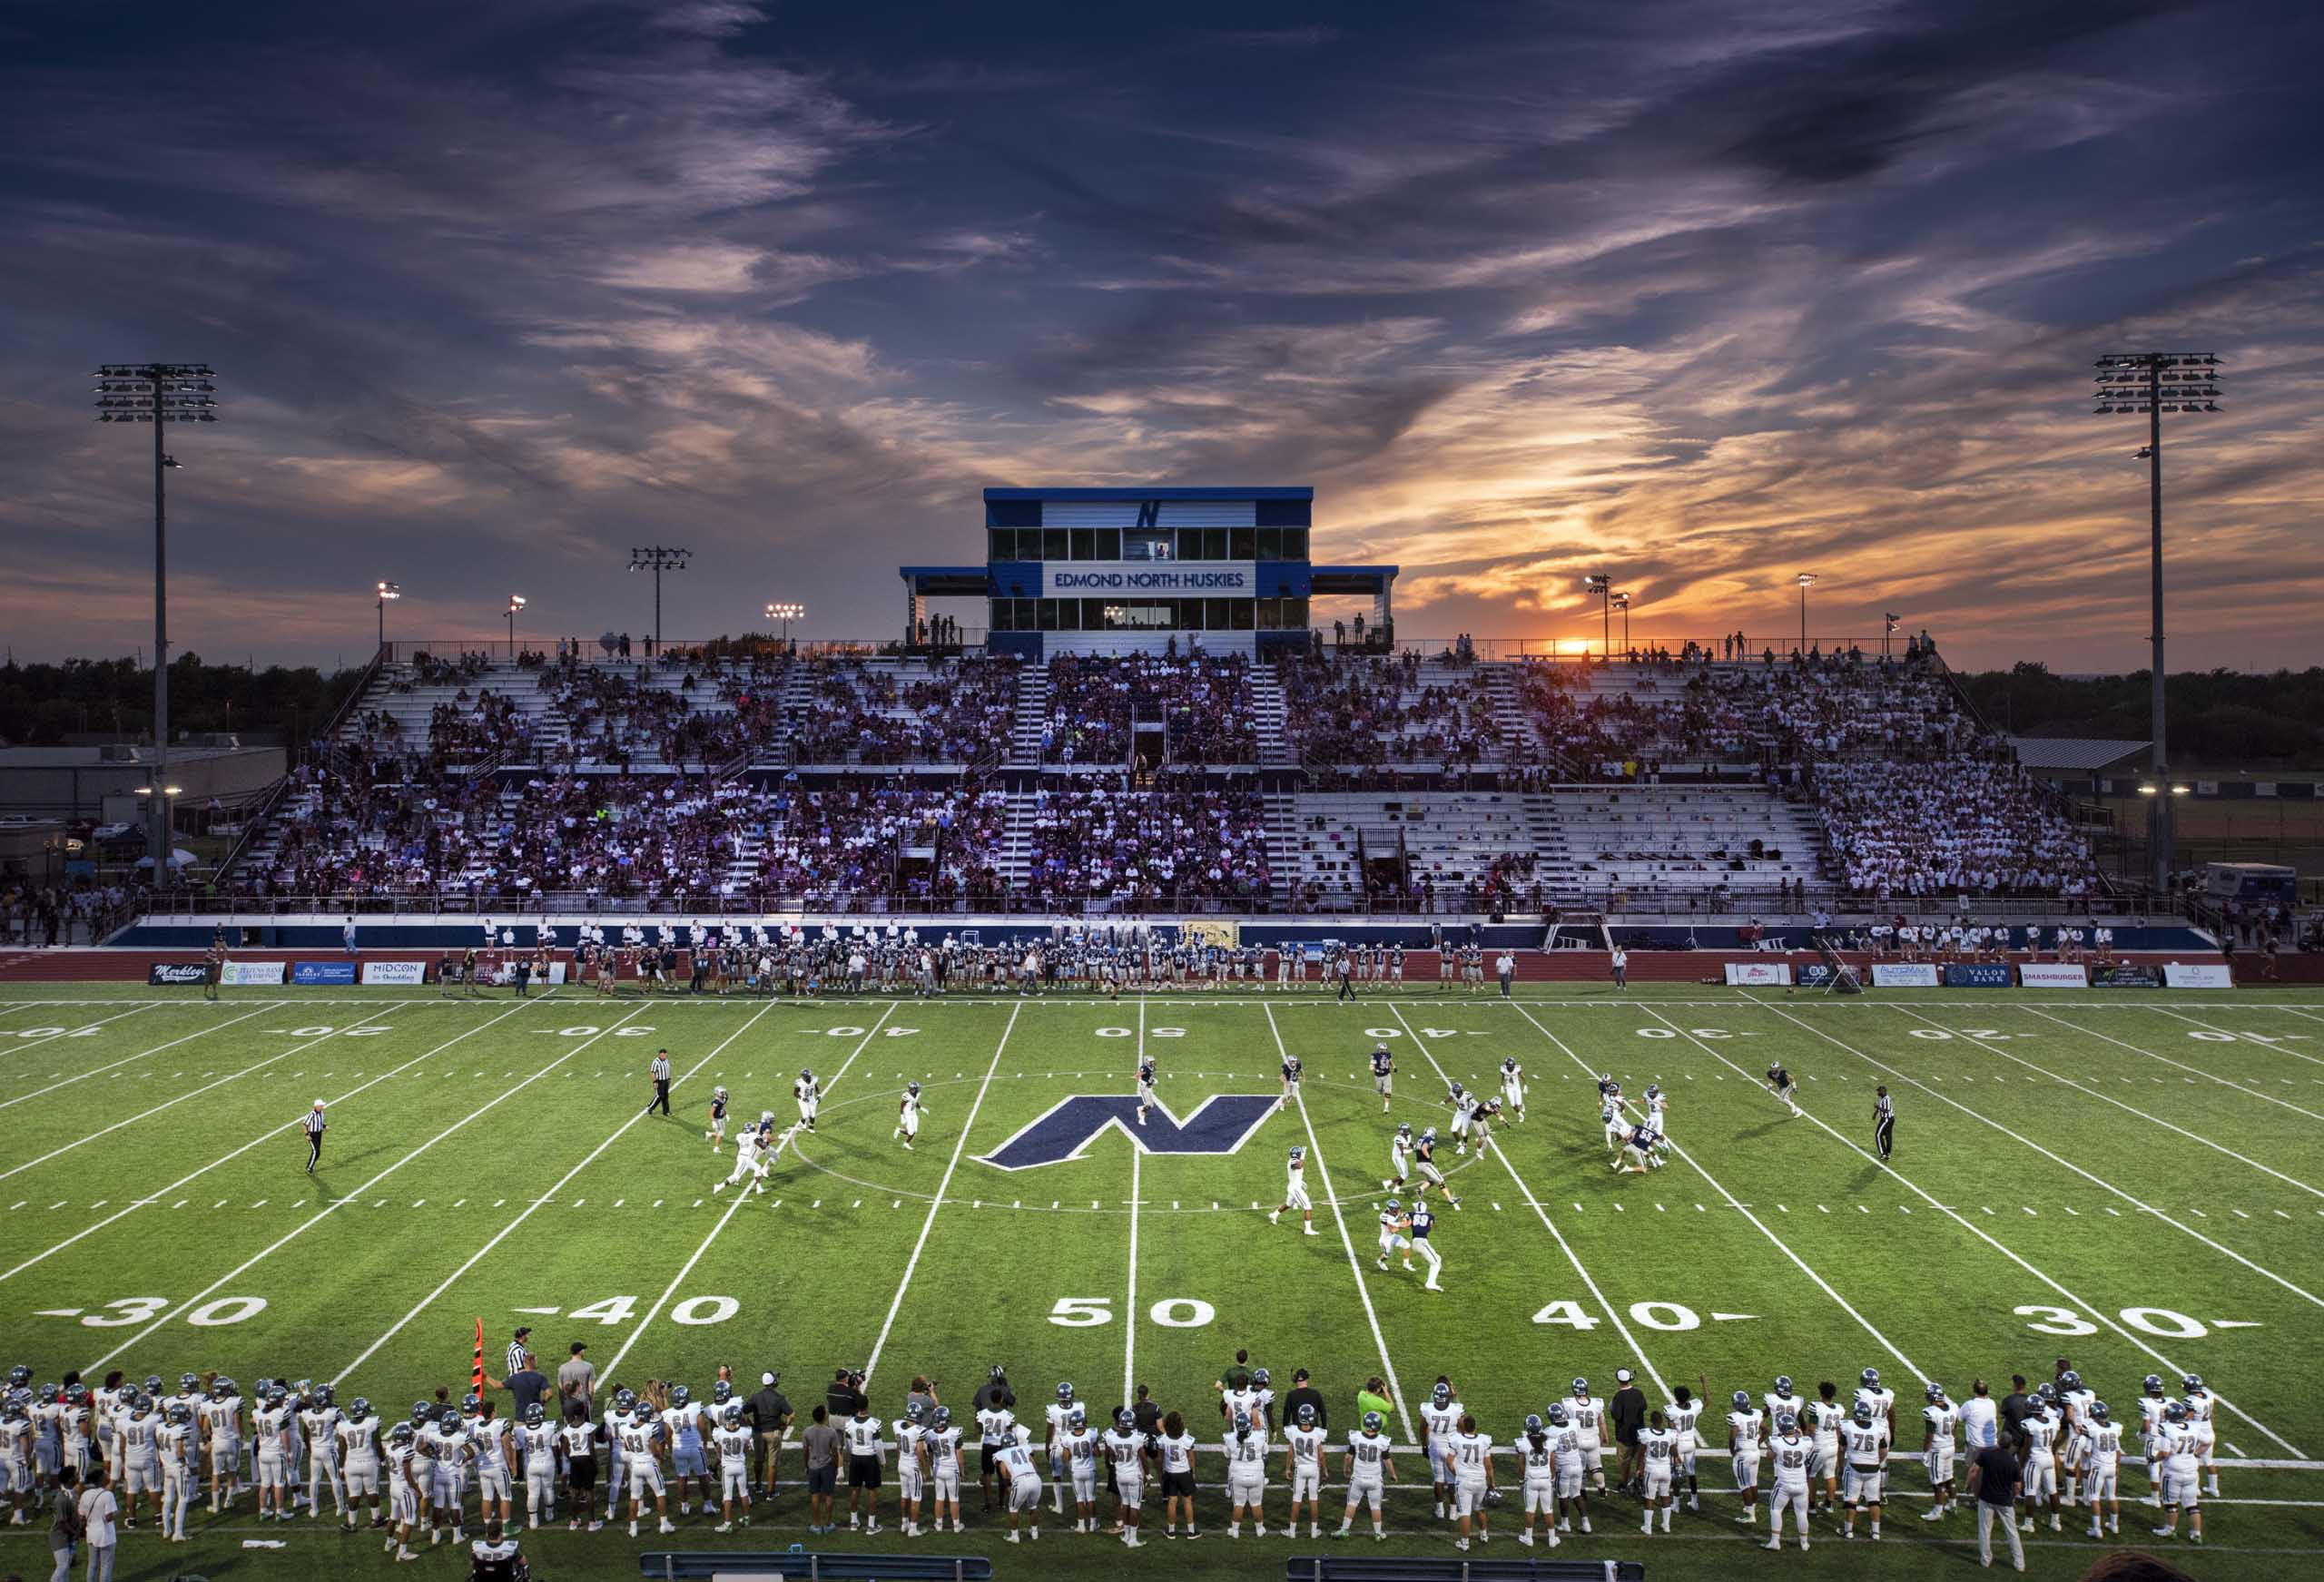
(2054, 975)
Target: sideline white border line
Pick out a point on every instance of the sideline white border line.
(100, 1071)
(2098, 1181)
(1733, 1202)
(335, 1204)
(1362, 1292)
(193, 1092)
(531, 1208)
(2090, 1090)
(143, 1199)
(935, 1206)
(2095, 1312)
(741, 1197)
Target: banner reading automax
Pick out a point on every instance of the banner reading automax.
(1759, 974)
(1903, 975)
(2054, 975)
(252, 972)
(1978, 975)
(395, 972)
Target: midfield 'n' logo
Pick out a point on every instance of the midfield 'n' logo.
(1223, 1123)
(1149, 513)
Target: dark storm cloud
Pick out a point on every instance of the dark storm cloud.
(1698, 294)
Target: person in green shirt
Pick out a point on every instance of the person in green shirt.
(1370, 1399)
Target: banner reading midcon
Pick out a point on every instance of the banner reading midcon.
(1160, 579)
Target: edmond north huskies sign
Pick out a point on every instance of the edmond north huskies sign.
(1222, 1124)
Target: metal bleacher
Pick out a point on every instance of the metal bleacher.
(1457, 1569)
(739, 1563)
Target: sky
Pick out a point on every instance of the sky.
(1699, 295)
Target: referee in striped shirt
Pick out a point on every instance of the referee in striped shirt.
(1884, 1123)
(520, 1355)
(315, 1124)
(660, 1072)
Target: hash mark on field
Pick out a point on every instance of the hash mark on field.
(498, 1201)
(2239, 1214)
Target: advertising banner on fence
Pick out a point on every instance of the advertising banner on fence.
(2198, 975)
(395, 972)
(162, 973)
(252, 972)
(322, 973)
(2122, 975)
(1903, 975)
(1759, 974)
(1977, 975)
(2054, 975)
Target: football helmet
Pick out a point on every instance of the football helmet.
(1458, 1090)
(193, 1381)
(1556, 1414)
(358, 1408)
(1441, 1394)
(2175, 1412)
(325, 1396)
(719, 1092)
(400, 1434)
(1065, 1393)
(21, 1375)
(1786, 1423)
(913, 1088)
(1870, 1378)
(1405, 1131)
(1307, 1414)
(680, 1395)
(2098, 1411)
(1394, 1208)
(1533, 1424)
(1742, 1399)
(2069, 1381)
(1935, 1391)
(1581, 1390)
(1863, 1414)
(1124, 1419)
(534, 1415)
(1076, 1420)
(1783, 1384)
(153, 1384)
(2154, 1384)
(1262, 1378)
(471, 1403)
(944, 1418)
(1298, 1152)
(721, 1393)
(2192, 1382)
(421, 1411)
(1373, 1420)
(914, 1410)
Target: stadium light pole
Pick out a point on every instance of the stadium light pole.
(786, 613)
(158, 393)
(1887, 631)
(388, 590)
(2151, 383)
(655, 559)
(1603, 587)
(515, 602)
(1806, 581)
(1622, 602)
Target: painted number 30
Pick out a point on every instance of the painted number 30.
(210, 1315)
(2153, 1320)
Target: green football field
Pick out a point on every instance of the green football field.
(2134, 1183)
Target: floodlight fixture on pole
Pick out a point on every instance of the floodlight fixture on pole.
(1622, 602)
(158, 393)
(388, 590)
(1887, 631)
(2149, 384)
(515, 602)
(786, 613)
(656, 559)
(1603, 587)
(1806, 580)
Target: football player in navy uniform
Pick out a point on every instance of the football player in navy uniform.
(1383, 1074)
(717, 1131)
(1780, 1084)
(1424, 1163)
(1290, 1081)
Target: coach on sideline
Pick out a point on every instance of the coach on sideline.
(769, 1414)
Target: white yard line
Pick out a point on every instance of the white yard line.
(1733, 1202)
(334, 1206)
(742, 1196)
(936, 1203)
(265, 1136)
(1911, 1186)
(24, 1044)
(1533, 1203)
(1991, 1048)
(506, 1231)
(2305, 1016)
(2196, 1070)
(2062, 1163)
(1362, 1292)
(1129, 1299)
(100, 1071)
(196, 1093)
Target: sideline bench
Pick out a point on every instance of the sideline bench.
(790, 1563)
(1460, 1568)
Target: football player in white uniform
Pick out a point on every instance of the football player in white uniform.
(908, 1113)
(2075, 1397)
(1745, 1432)
(357, 1436)
(1537, 1465)
(2181, 1467)
(1513, 1086)
(1079, 1443)
(644, 1441)
(1794, 1455)
(752, 1149)
(1126, 1452)
(537, 1449)
(406, 1493)
(1391, 1234)
(494, 1497)
(1053, 1439)
(1820, 1420)
(809, 1093)
(1866, 1440)
(1440, 1420)
(1573, 1494)
(1472, 1461)
(1368, 1463)
(1657, 1102)
(1589, 1425)
(2102, 1457)
(1294, 1192)
(1658, 1448)
(1303, 1468)
(1400, 1158)
(1685, 1414)
(176, 1445)
(1463, 1105)
(1246, 1473)
(1022, 1480)
(271, 1440)
(2199, 1406)
(940, 1450)
(1940, 1440)
(911, 1465)
(319, 1422)
(2040, 1428)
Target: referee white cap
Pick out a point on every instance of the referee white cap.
(319, 1104)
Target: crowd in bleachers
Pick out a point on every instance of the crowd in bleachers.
(1128, 847)
(865, 712)
(1204, 700)
(833, 847)
(1956, 825)
(1376, 714)
(467, 730)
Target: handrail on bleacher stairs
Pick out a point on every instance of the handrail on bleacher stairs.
(1460, 1568)
(799, 1562)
